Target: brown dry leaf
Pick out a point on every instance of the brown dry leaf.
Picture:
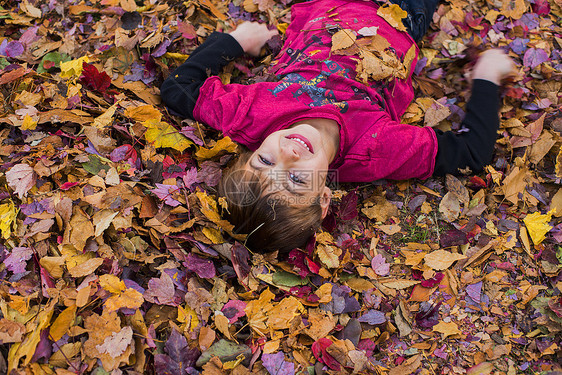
(381, 210)
(393, 14)
(541, 147)
(321, 323)
(556, 203)
(442, 259)
(408, 367)
(281, 315)
(398, 283)
(143, 113)
(343, 39)
(11, 331)
(86, 268)
(455, 186)
(436, 113)
(514, 8)
(447, 329)
(81, 228)
(450, 207)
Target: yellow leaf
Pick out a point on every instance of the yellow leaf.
(188, 317)
(143, 113)
(282, 314)
(62, 323)
(106, 118)
(176, 56)
(558, 166)
(28, 123)
(442, 259)
(398, 283)
(8, 215)
(29, 344)
(130, 299)
(282, 27)
(324, 293)
(328, 256)
(448, 329)
(224, 144)
(257, 311)
(213, 235)
(393, 14)
(73, 68)
(514, 8)
(222, 324)
(343, 39)
(165, 135)
(210, 210)
(112, 284)
(537, 225)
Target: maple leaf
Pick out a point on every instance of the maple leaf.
(94, 79)
(163, 134)
(21, 178)
(393, 14)
(73, 68)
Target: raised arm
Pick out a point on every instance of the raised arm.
(474, 148)
(181, 89)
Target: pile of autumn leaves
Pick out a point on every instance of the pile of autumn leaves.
(65, 308)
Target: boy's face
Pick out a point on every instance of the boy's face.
(295, 163)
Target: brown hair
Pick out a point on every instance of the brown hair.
(271, 222)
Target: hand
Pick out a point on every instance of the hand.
(493, 65)
(252, 36)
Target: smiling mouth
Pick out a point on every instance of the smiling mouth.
(302, 141)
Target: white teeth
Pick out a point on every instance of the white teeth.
(301, 142)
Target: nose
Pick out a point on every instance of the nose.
(289, 152)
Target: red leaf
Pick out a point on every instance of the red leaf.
(319, 350)
(541, 7)
(348, 206)
(93, 79)
(240, 260)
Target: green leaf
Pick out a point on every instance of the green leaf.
(95, 165)
(288, 279)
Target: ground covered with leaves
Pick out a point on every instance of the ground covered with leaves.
(115, 258)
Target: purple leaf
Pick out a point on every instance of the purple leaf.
(160, 291)
(348, 206)
(233, 310)
(162, 48)
(165, 192)
(189, 132)
(180, 356)
(17, 260)
(240, 260)
(178, 350)
(416, 202)
(210, 173)
(190, 178)
(534, 57)
(12, 49)
(453, 237)
(204, 268)
(428, 316)
(474, 291)
(373, 317)
(275, 364)
(380, 266)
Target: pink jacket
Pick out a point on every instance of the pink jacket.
(315, 83)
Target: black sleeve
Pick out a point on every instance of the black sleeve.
(180, 90)
(474, 148)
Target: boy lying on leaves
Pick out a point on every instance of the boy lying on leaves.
(344, 81)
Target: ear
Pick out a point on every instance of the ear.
(325, 199)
